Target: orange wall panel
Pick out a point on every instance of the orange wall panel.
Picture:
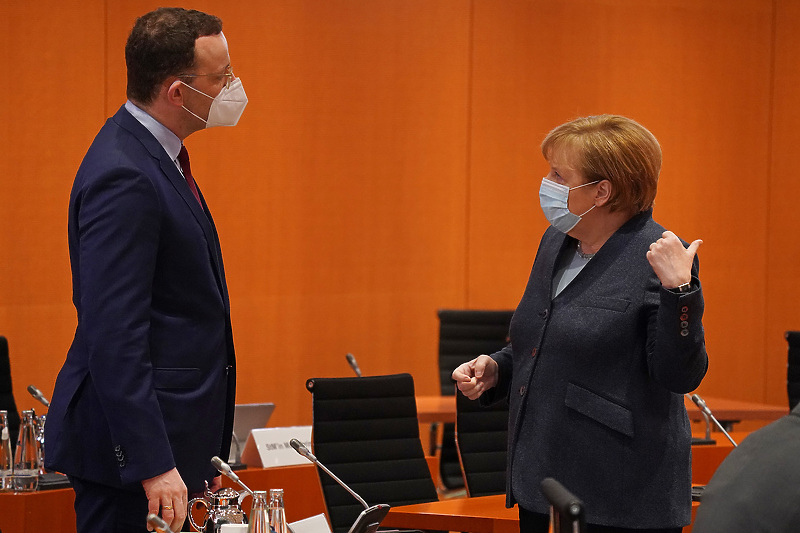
(698, 75)
(388, 165)
(782, 279)
(50, 104)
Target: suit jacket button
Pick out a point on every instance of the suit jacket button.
(684, 316)
(533, 353)
(543, 314)
(117, 448)
(684, 333)
(122, 464)
(522, 391)
(685, 309)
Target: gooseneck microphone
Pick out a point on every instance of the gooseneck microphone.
(701, 404)
(351, 360)
(226, 470)
(707, 439)
(37, 394)
(158, 523)
(370, 518)
(305, 452)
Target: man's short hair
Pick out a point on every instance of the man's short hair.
(161, 44)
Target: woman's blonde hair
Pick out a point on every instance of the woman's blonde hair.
(613, 148)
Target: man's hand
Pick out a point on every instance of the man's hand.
(476, 377)
(215, 484)
(166, 496)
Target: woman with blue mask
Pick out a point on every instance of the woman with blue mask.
(606, 339)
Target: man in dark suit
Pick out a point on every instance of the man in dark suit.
(145, 397)
(755, 488)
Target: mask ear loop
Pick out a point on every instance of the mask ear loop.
(186, 108)
(578, 187)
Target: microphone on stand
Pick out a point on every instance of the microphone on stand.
(707, 439)
(371, 517)
(701, 404)
(351, 360)
(158, 523)
(226, 470)
(37, 394)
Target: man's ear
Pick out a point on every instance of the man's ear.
(603, 193)
(175, 92)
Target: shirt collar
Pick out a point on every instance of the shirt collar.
(171, 143)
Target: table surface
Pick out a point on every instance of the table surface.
(443, 409)
(52, 511)
(484, 514)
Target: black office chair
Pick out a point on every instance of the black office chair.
(793, 368)
(7, 402)
(463, 335)
(482, 439)
(366, 431)
(566, 510)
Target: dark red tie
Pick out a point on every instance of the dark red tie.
(183, 159)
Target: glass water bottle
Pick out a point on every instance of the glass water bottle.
(259, 513)
(26, 459)
(6, 459)
(277, 515)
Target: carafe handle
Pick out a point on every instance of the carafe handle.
(192, 503)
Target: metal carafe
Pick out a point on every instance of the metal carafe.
(222, 507)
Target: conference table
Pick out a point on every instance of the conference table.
(483, 514)
(51, 511)
(431, 409)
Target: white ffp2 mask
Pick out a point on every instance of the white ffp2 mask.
(227, 107)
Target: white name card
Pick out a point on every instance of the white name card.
(312, 524)
(267, 447)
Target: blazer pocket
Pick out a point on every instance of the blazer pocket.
(176, 378)
(605, 302)
(606, 412)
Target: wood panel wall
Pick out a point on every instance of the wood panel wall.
(388, 165)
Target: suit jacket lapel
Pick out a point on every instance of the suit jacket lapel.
(609, 253)
(173, 175)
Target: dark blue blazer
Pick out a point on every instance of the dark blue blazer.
(595, 378)
(148, 383)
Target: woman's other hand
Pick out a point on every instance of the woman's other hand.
(671, 262)
(476, 377)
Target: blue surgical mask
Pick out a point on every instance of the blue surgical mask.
(554, 199)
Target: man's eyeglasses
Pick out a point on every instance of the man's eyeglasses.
(228, 74)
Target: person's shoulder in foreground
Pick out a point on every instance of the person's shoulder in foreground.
(756, 487)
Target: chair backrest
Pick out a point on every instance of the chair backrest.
(7, 402)
(793, 368)
(366, 431)
(566, 510)
(465, 334)
(482, 438)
